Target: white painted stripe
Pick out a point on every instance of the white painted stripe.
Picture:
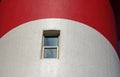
(84, 52)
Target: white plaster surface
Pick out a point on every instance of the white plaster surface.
(84, 52)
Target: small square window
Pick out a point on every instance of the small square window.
(50, 44)
(50, 53)
(50, 40)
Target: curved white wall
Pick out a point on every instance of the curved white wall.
(84, 52)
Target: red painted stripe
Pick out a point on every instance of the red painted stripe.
(96, 13)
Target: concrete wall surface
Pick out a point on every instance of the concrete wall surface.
(83, 51)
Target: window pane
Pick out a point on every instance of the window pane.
(50, 53)
(50, 41)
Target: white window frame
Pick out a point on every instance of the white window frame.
(50, 33)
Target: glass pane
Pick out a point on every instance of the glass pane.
(51, 41)
(50, 53)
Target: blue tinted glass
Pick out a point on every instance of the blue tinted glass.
(50, 41)
(50, 53)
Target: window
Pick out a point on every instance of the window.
(50, 46)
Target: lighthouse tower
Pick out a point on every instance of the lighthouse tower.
(58, 38)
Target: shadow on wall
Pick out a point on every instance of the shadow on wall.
(119, 48)
(116, 8)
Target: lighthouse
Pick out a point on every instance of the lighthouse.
(58, 38)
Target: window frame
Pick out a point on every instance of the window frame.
(50, 33)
